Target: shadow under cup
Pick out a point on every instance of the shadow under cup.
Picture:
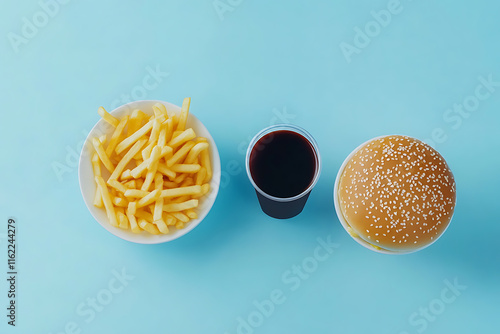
(283, 165)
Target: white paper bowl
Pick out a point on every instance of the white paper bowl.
(88, 186)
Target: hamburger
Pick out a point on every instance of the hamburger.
(395, 194)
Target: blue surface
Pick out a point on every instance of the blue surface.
(255, 64)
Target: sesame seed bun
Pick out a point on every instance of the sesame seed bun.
(396, 193)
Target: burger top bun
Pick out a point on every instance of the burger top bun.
(397, 193)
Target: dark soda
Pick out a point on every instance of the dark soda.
(283, 163)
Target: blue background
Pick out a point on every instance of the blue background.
(243, 69)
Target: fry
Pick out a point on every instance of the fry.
(191, 214)
(166, 151)
(162, 226)
(162, 108)
(98, 198)
(205, 162)
(110, 209)
(155, 132)
(175, 207)
(201, 140)
(181, 191)
(126, 175)
(133, 222)
(135, 121)
(137, 172)
(146, 152)
(117, 185)
(108, 117)
(183, 137)
(175, 120)
(127, 157)
(127, 142)
(152, 167)
(180, 178)
(180, 199)
(195, 151)
(96, 165)
(200, 177)
(132, 207)
(205, 188)
(137, 193)
(116, 135)
(157, 112)
(162, 137)
(148, 226)
(117, 210)
(185, 168)
(102, 155)
(140, 213)
(118, 201)
(168, 219)
(102, 139)
(130, 184)
(150, 198)
(161, 152)
(169, 124)
(166, 171)
(123, 221)
(180, 216)
(176, 133)
(184, 114)
(187, 182)
(157, 214)
(181, 153)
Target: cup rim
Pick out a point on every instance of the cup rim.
(292, 128)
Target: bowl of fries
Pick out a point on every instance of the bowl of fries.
(149, 171)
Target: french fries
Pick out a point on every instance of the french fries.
(106, 198)
(107, 117)
(183, 137)
(127, 142)
(102, 154)
(159, 170)
(116, 135)
(176, 207)
(185, 168)
(181, 124)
